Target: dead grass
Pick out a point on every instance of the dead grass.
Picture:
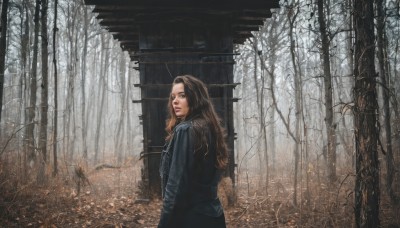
(109, 199)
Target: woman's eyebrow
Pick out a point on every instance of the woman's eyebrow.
(177, 93)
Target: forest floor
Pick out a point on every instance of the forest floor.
(109, 199)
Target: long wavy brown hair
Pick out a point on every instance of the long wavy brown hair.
(203, 115)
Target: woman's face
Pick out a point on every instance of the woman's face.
(179, 101)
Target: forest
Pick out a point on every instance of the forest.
(317, 120)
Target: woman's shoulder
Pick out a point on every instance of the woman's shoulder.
(196, 124)
(183, 126)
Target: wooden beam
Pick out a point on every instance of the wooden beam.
(123, 28)
(184, 4)
(129, 21)
(239, 28)
(248, 22)
(126, 13)
(255, 14)
(126, 36)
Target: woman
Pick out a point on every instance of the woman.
(193, 158)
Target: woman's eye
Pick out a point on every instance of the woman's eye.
(180, 96)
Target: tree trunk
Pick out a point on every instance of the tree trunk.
(69, 117)
(264, 129)
(33, 88)
(25, 65)
(45, 93)
(74, 73)
(297, 87)
(3, 46)
(383, 74)
(129, 127)
(393, 80)
(350, 63)
(261, 108)
(24, 36)
(291, 17)
(273, 44)
(83, 82)
(329, 118)
(365, 118)
(258, 96)
(103, 87)
(120, 128)
(55, 123)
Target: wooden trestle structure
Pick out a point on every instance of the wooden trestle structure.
(175, 37)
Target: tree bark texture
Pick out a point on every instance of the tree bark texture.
(365, 118)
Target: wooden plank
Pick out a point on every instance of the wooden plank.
(207, 4)
(122, 22)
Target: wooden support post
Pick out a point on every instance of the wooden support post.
(167, 50)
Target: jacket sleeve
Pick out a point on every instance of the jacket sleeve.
(177, 186)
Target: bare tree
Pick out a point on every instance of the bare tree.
(3, 42)
(22, 77)
(83, 80)
(329, 117)
(271, 42)
(45, 94)
(25, 28)
(344, 95)
(129, 127)
(120, 132)
(365, 118)
(293, 11)
(30, 139)
(55, 118)
(383, 73)
(262, 145)
(72, 58)
(105, 56)
(268, 39)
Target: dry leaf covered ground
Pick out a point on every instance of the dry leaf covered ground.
(109, 199)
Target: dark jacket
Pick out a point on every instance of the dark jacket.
(189, 185)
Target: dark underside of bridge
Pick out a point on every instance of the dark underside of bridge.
(168, 38)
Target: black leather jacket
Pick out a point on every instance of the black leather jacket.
(184, 188)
